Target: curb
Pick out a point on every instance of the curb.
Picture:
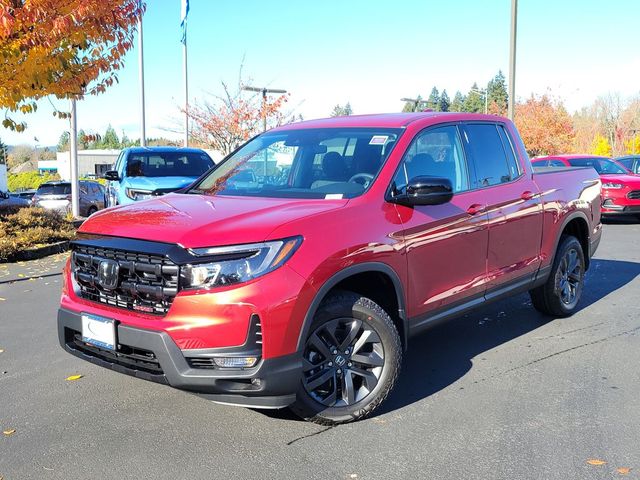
(41, 252)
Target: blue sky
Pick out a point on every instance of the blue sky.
(368, 52)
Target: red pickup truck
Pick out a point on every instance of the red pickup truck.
(302, 287)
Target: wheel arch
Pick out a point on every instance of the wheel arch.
(354, 278)
(576, 225)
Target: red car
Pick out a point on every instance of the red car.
(620, 187)
(302, 288)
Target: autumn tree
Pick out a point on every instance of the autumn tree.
(601, 146)
(64, 48)
(224, 122)
(545, 126)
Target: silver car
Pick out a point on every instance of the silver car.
(7, 201)
(57, 196)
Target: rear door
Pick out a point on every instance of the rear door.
(513, 205)
(446, 244)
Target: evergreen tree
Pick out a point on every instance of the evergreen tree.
(474, 103)
(340, 111)
(433, 102)
(110, 139)
(457, 104)
(497, 92)
(445, 103)
(124, 141)
(3, 153)
(413, 106)
(63, 142)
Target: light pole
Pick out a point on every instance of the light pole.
(416, 102)
(265, 91)
(512, 60)
(73, 154)
(485, 94)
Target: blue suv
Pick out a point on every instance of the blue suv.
(145, 172)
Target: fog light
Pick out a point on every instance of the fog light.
(235, 362)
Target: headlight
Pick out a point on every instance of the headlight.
(238, 263)
(612, 186)
(135, 194)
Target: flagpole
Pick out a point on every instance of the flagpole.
(186, 87)
(143, 133)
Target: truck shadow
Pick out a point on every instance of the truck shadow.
(444, 354)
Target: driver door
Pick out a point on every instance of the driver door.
(446, 245)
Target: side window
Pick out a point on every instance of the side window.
(435, 152)
(488, 155)
(514, 165)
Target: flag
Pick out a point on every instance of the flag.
(184, 11)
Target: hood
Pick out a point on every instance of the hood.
(630, 180)
(153, 183)
(203, 221)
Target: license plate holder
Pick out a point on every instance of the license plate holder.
(99, 331)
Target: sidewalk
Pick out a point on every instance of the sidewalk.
(41, 268)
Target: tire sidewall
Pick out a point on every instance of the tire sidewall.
(352, 305)
(566, 244)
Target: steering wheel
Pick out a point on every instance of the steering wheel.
(366, 177)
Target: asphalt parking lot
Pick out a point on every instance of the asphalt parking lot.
(501, 393)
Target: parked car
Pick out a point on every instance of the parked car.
(303, 291)
(9, 201)
(620, 188)
(141, 173)
(57, 196)
(25, 194)
(631, 163)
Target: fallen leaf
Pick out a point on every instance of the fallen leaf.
(74, 377)
(1, 350)
(623, 470)
(11, 431)
(2, 299)
(596, 462)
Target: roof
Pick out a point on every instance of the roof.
(387, 120)
(163, 149)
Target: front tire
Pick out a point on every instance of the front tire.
(351, 360)
(560, 294)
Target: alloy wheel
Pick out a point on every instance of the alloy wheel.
(342, 362)
(570, 277)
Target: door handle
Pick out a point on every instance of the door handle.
(476, 208)
(527, 195)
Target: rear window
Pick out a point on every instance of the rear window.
(58, 189)
(168, 164)
(601, 165)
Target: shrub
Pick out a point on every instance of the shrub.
(31, 227)
(29, 180)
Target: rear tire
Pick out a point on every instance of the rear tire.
(351, 360)
(560, 294)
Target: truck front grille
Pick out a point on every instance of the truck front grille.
(135, 281)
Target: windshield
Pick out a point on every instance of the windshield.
(57, 189)
(601, 165)
(306, 163)
(168, 164)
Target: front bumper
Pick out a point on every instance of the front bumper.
(154, 356)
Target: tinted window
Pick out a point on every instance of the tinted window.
(485, 146)
(168, 164)
(600, 165)
(57, 189)
(512, 162)
(556, 163)
(438, 153)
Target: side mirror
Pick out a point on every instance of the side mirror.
(111, 175)
(426, 190)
